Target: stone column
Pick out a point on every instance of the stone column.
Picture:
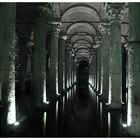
(105, 30)
(70, 68)
(67, 96)
(133, 112)
(115, 74)
(68, 61)
(61, 63)
(99, 70)
(39, 54)
(7, 64)
(94, 70)
(98, 80)
(72, 77)
(42, 13)
(75, 69)
(96, 65)
(66, 65)
(53, 79)
(61, 82)
(54, 59)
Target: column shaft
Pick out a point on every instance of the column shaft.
(133, 112)
(7, 63)
(104, 77)
(61, 83)
(115, 75)
(39, 60)
(53, 81)
(54, 62)
(105, 64)
(61, 63)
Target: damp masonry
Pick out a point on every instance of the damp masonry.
(70, 69)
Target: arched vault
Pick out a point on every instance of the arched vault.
(87, 11)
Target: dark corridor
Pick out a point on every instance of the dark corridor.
(82, 80)
(82, 117)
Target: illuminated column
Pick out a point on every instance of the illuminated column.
(72, 77)
(68, 66)
(71, 69)
(72, 66)
(96, 65)
(92, 71)
(75, 69)
(133, 116)
(53, 80)
(99, 70)
(105, 61)
(95, 70)
(39, 54)
(61, 82)
(104, 77)
(54, 59)
(98, 79)
(61, 63)
(7, 60)
(115, 74)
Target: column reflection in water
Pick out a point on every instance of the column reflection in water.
(63, 103)
(56, 114)
(100, 116)
(67, 96)
(109, 123)
(97, 104)
(44, 122)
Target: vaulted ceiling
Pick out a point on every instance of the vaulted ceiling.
(80, 23)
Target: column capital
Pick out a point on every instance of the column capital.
(104, 28)
(43, 10)
(114, 10)
(70, 49)
(98, 42)
(72, 52)
(56, 27)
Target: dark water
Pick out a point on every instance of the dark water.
(82, 115)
